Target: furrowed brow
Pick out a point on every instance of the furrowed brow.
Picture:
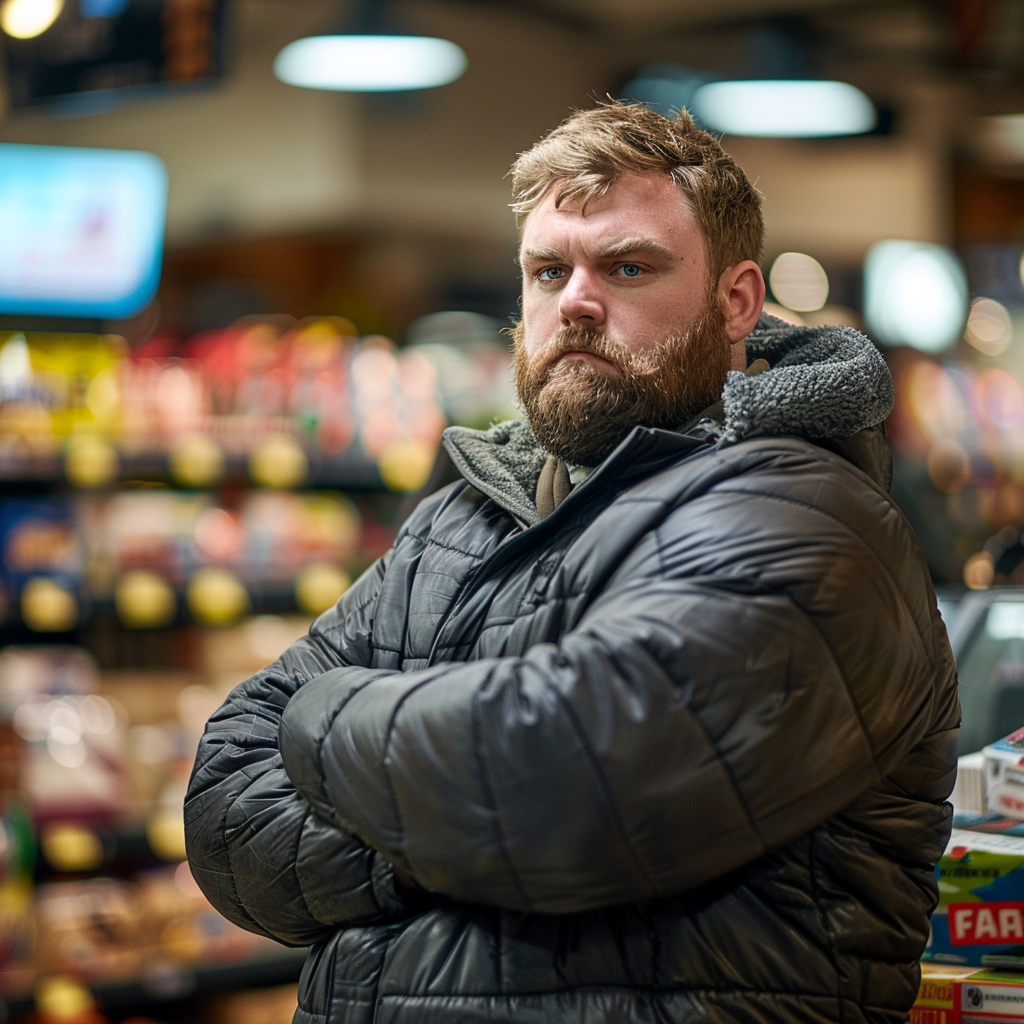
(542, 254)
(638, 246)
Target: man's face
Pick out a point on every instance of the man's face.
(620, 322)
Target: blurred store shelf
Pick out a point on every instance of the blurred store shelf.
(169, 983)
(349, 471)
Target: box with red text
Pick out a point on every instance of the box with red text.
(965, 995)
(980, 917)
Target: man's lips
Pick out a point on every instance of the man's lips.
(587, 357)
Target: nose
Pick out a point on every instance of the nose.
(581, 302)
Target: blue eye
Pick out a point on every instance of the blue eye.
(631, 270)
(551, 274)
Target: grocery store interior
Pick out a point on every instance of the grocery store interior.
(243, 290)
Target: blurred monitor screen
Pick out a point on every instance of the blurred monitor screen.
(81, 230)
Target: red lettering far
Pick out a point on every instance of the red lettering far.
(986, 924)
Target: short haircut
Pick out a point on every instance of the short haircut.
(592, 149)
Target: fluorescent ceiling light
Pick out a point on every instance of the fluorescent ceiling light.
(26, 19)
(784, 109)
(915, 294)
(370, 63)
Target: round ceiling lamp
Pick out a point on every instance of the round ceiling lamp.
(774, 108)
(26, 19)
(370, 63)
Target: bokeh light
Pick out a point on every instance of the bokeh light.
(989, 327)
(784, 109)
(915, 294)
(367, 63)
(979, 571)
(1000, 400)
(26, 19)
(799, 281)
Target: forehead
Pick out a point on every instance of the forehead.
(648, 205)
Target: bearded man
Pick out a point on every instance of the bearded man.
(651, 716)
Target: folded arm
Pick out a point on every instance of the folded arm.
(259, 851)
(686, 726)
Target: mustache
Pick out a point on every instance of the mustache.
(580, 338)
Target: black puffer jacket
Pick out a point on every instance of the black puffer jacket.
(678, 752)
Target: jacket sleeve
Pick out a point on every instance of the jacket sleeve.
(727, 692)
(263, 857)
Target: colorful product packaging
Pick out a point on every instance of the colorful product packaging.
(1004, 775)
(950, 995)
(980, 917)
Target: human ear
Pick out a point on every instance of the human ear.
(741, 293)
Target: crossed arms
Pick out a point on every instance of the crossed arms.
(689, 723)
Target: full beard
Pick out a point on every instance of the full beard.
(581, 412)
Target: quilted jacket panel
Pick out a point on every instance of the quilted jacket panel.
(678, 752)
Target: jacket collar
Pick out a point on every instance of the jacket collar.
(505, 461)
(826, 384)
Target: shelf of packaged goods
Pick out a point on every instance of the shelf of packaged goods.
(125, 850)
(349, 471)
(169, 983)
(264, 598)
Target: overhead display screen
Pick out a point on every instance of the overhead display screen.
(99, 52)
(81, 230)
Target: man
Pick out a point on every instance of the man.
(651, 717)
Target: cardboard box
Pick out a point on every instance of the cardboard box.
(1004, 775)
(980, 917)
(937, 999)
(950, 995)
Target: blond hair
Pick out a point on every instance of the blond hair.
(592, 149)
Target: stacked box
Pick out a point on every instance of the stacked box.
(980, 917)
(951, 995)
(1004, 775)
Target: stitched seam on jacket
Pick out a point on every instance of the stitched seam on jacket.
(237, 901)
(740, 795)
(506, 855)
(299, 680)
(433, 542)
(295, 860)
(823, 920)
(383, 565)
(606, 789)
(629, 989)
(868, 738)
(340, 626)
(384, 647)
(392, 792)
(222, 831)
(378, 1001)
(323, 740)
(860, 540)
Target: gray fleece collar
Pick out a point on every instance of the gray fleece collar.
(503, 462)
(824, 382)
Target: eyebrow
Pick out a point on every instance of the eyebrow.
(637, 245)
(540, 254)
